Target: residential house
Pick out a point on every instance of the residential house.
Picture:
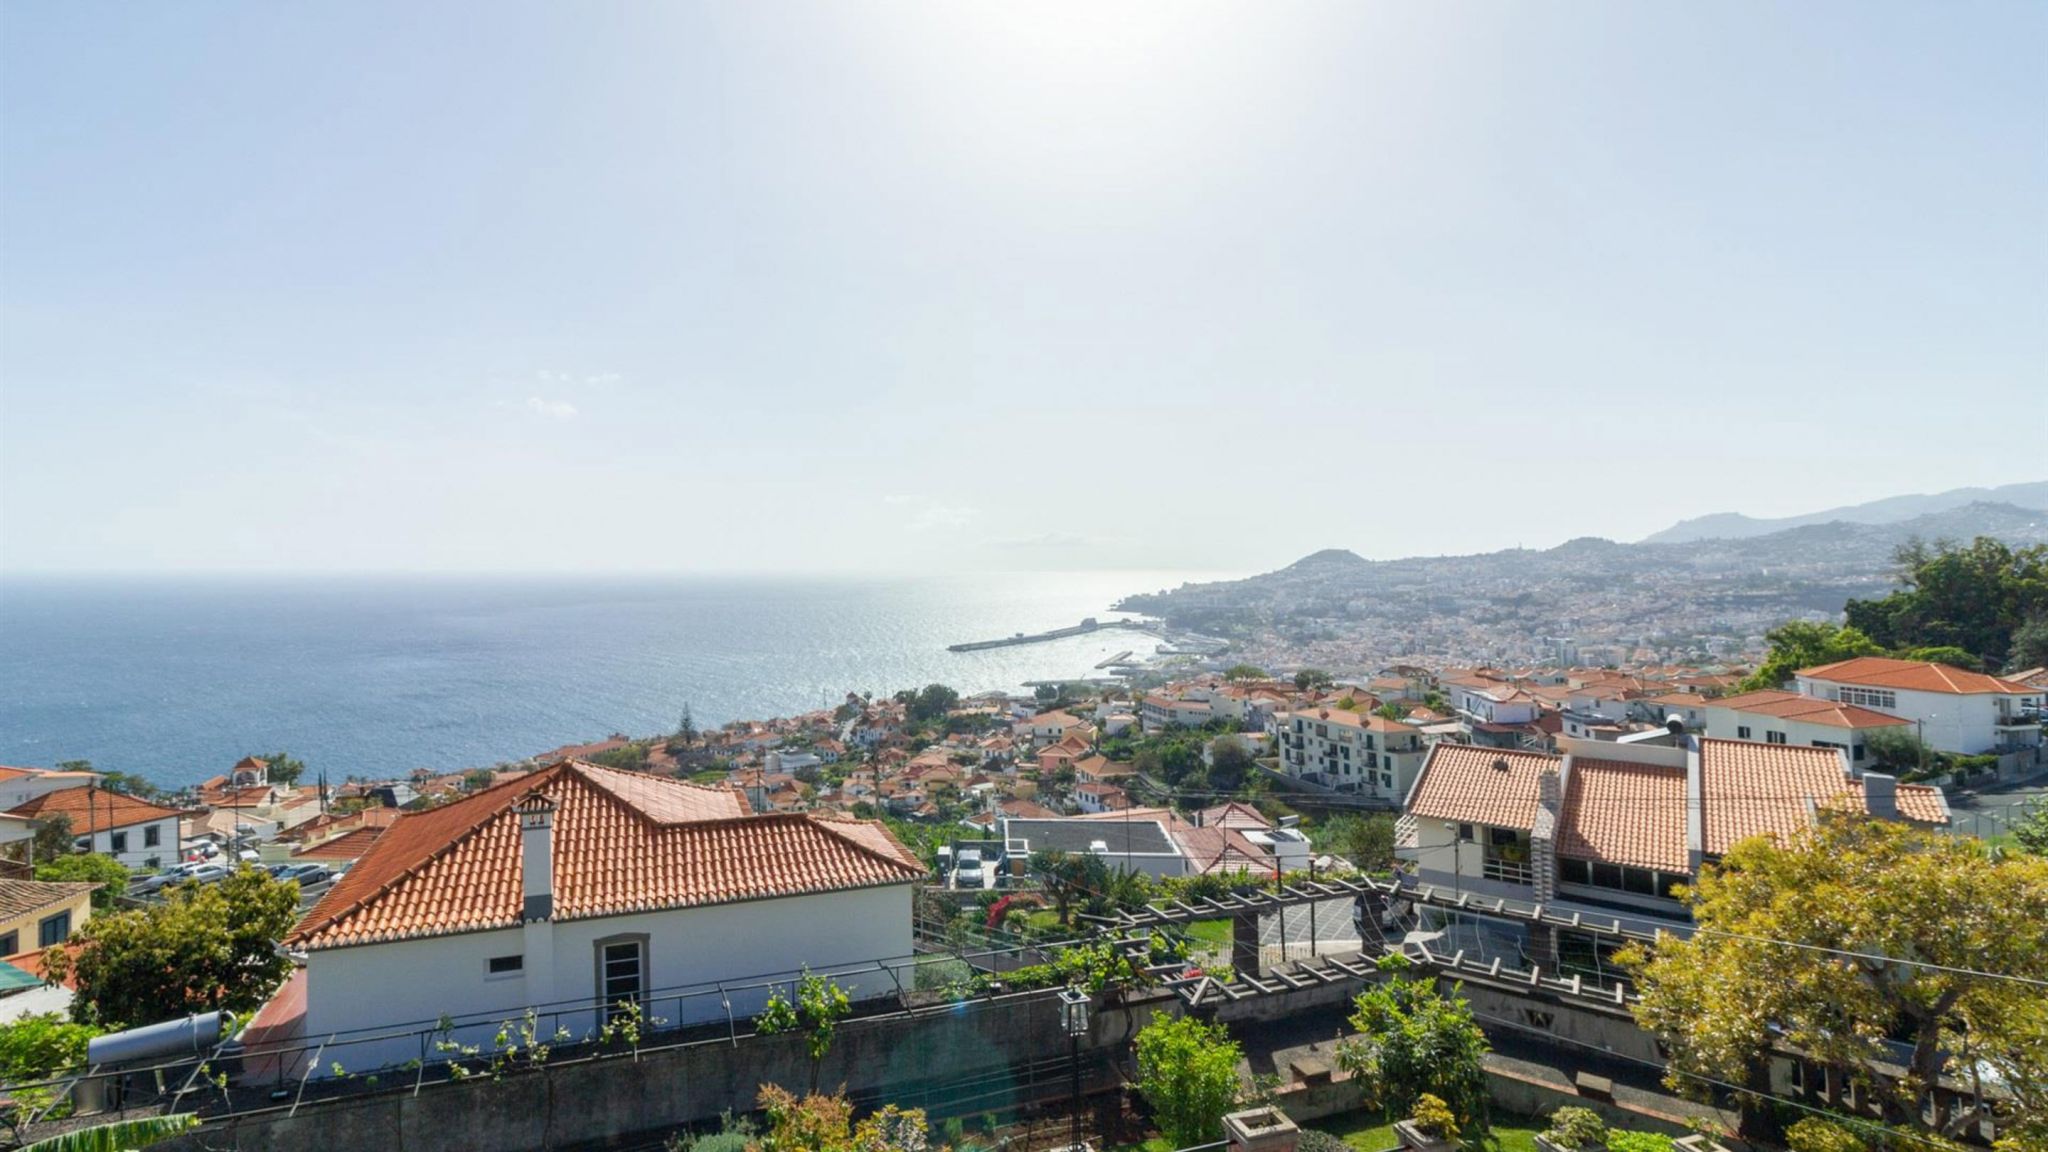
(1776, 717)
(1611, 829)
(18, 786)
(1158, 712)
(136, 832)
(36, 914)
(581, 887)
(1952, 710)
(1101, 798)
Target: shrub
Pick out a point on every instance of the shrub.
(1575, 1127)
(1314, 1140)
(1619, 1141)
(1433, 1117)
(1819, 1134)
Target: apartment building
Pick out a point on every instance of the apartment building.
(1351, 751)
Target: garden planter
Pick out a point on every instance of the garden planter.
(1414, 1138)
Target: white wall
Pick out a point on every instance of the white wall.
(1948, 722)
(397, 984)
(138, 853)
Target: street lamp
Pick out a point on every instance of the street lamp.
(1074, 1004)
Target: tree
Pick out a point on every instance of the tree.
(1804, 644)
(686, 730)
(1367, 841)
(284, 769)
(1309, 678)
(477, 779)
(933, 702)
(2029, 645)
(1389, 711)
(1947, 654)
(1238, 673)
(205, 947)
(1187, 1072)
(40, 1045)
(1897, 749)
(2030, 832)
(1230, 763)
(628, 757)
(1976, 597)
(820, 1004)
(1416, 1040)
(1799, 943)
(52, 838)
(90, 868)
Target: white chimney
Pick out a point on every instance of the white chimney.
(1881, 795)
(537, 855)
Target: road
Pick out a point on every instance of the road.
(1988, 812)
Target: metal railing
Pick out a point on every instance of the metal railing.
(258, 1073)
(1511, 871)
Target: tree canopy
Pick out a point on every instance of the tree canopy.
(205, 947)
(1309, 678)
(1849, 933)
(90, 868)
(1238, 673)
(1414, 1040)
(1980, 597)
(1800, 644)
(1366, 840)
(1187, 1072)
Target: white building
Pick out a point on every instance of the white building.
(18, 786)
(578, 888)
(1775, 717)
(1351, 752)
(1158, 712)
(1494, 703)
(1953, 710)
(135, 832)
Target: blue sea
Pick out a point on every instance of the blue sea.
(178, 678)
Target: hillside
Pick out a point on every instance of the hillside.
(1691, 600)
(1891, 510)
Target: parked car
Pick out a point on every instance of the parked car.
(308, 874)
(210, 873)
(158, 881)
(968, 874)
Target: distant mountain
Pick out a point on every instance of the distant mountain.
(1891, 510)
(1694, 599)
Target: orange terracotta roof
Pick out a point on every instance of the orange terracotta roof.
(347, 846)
(1807, 709)
(1461, 782)
(1750, 789)
(95, 809)
(619, 847)
(1883, 672)
(1625, 813)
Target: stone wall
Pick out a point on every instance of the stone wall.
(973, 1057)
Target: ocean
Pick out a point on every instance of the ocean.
(176, 678)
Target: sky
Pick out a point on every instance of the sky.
(900, 287)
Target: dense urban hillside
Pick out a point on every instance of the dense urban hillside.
(1693, 600)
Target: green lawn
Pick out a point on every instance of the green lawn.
(1369, 1132)
(1214, 933)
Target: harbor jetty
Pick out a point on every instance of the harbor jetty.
(1091, 624)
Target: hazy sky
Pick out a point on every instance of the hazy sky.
(902, 286)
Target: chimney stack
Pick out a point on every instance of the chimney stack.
(1543, 837)
(537, 854)
(1881, 795)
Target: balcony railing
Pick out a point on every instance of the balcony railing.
(1510, 871)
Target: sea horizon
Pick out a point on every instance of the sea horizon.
(175, 675)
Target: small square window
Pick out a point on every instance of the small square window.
(506, 965)
(153, 836)
(119, 840)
